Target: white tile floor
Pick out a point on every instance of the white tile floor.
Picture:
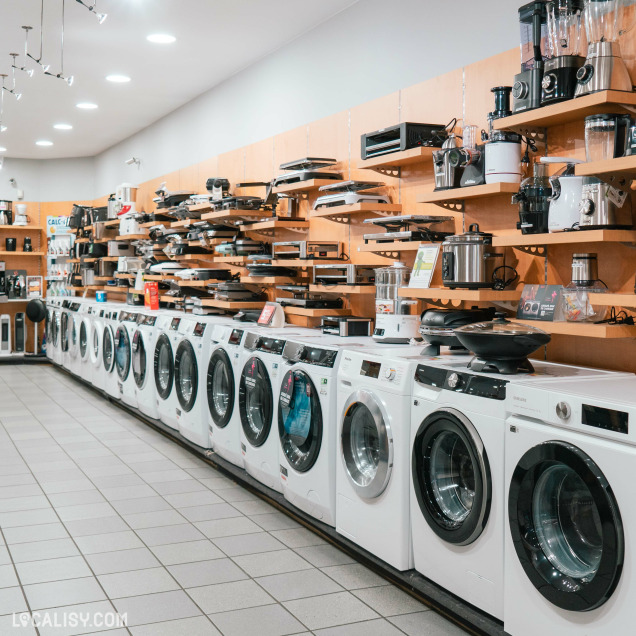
(100, 514)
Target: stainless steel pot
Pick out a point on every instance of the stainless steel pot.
(468, 261)
(603, 206)
(88, 275)
(106, 268)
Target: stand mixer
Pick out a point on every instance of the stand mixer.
(126, 202)
(604, 67)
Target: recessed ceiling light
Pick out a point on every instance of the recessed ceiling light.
(2, 128)
(43, 142)
(63, 127)
(87, 106)
(161, 38)
(3, 149)
(118, 79)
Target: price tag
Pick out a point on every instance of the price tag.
(617, 197)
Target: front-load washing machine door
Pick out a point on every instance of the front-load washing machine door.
(451, 476)
(566, 526)
(95, 344)
(220, 388)
(83, 339)
(366, 444)
(73, 346)
(299, 420)
(186, 375)
(139, 359)
(55, 329)
(108, 349)
(164, 366)
(256, 402)
(122, 352)
(48, 327)
(65, 331)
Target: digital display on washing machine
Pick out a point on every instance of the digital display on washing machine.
(271, 345)
(151, 320)
(235, 337)
(370, 369)
(605, 419)
(174, 325)
(199, 329)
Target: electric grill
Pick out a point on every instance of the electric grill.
(305, 170)
(413, 227)
(348, 193)
(304, 250)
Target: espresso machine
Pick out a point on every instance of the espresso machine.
(526, 91)
(604, 67)
(565, 22)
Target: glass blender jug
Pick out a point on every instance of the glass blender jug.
(564, 31)
(604, 68)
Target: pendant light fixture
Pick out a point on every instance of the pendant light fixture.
(93, 9)
(11, 90)
(2, 126)
(24, 69)
(69, 80)
(38, 60)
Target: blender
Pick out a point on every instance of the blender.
(526, 91)
(564, 32)
(397, 320)
(604, 68)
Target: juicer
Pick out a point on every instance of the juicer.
(604, 67)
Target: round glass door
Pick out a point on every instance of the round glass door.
(299, 420)
(139, 359)
(164, 366)
(74, 336)
(366, 444)
(108, 349)
(256, 402)
(83, 339)
(64, 327)
(220, 388)
(186, 375)
(122, 352)
(566, 526)
(95, 338)
(451, 477)
(55, 329)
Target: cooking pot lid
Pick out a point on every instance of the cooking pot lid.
(473, 234)
(501, 326)
(445, 318)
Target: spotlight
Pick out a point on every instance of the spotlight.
(133, 161)
(93, 9)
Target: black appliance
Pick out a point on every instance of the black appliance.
(6, 213)
(526, 90)
(218, 188)
(412, 227)
(402, 137)
(27, 245)
(502, 103)
(346, 326)
(10, 244)
(472, 162)
(534, 201)
(19, 332)
(301, 297)
(305, 170)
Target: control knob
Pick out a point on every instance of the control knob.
(588, 207)
(549, 82)
(389, 374)
(520, 90)
(585, 73)
(454, 381)
(563, 411)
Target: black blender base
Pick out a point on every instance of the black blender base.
(505, 367)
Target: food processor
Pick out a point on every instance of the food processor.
(604, 68)
(526, 91)
(397, 320)
(447, 176)
(534, 201)
(564, 33)
(566, 195)
(604, 207)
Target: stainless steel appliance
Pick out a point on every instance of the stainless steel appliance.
(411, 227)
(305, 170)
(604, 67)
(117, 248)
(349, 193)
(526, 91)
(470, 158)
(343, 274)
(306, 250)
(604, 206)
(447, 175)
(565, 21)
(346, 326)
(606, 136)
(402, 137)
(567, 190)
(6, 214)
(468, 261)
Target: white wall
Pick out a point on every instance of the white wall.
(371, 49)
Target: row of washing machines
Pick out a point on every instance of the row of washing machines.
(514, 493)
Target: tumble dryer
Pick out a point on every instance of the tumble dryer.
(124, 333)
(307, 422)
(221, 390)
(143, 345)
(457, 469)
(571, 517)
(163, 366)
(258, 393)
(373, 448)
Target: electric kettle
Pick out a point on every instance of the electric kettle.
(564, 213)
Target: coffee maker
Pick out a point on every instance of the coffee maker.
(604, 68)
(564, 31)
(6, 215)
(447, 176)
(526, 90)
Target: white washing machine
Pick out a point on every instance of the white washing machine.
(571, 510)
(222, 373)
(124, 334)
(258, 392)
(143, 345)
(111, 322)
(373, 466)
(97, 373)
(308, 422)
(163, 366)
(457, 473)
(79, 339)
(67, 312)
(50, 312)
(54, 346)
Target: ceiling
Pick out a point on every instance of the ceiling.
(215, 40)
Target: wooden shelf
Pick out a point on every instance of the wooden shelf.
(569, 111)
(391, 161)
(36, 228)
(228, 304)
(21, 253)
(304, 186)
(103, 279)
(617, 169)
(270, 280)
(197, 258)
(316, 313)
(583, 329)
(193, 283)
(269, 226)
(473, 192)
(228, 215)
(469, 295)
(388, 248)
(232, 260)
(298, 262)
(158, 277)
(171, 299)
(131, 237)
(344, 213)
(183, 223)
(342, 289)
(106, 259)
(516, 239)
(613, 300)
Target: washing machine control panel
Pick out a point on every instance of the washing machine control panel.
(460, 382)
(386, 373)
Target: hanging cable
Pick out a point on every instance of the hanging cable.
(69, 80)
(45, 67)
